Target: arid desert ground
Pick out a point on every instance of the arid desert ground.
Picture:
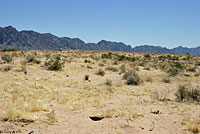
(99, 92)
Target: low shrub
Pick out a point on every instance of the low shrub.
(123, 68)
(148, 79)
(7, 58)
(30, 58)
(191, 69)
(54, 64)
(166, 80)
(7, 68)
(100, 72)
(147, 56)
(132, 78)
(173, 72)
(107, 56)
(113, 69)
(188, 94)
(108, 82)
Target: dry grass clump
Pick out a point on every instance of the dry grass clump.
(119, 112)
(192, 125)
(52, 116)
(194, 128)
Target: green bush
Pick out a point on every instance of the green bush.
(132, 78)
(7, 58)
(107, 56)
(54, 64)
(177, 65)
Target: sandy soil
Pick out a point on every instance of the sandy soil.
(65, 101)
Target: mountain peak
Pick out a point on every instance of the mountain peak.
(10, 28)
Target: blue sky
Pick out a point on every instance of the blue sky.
(168, 23)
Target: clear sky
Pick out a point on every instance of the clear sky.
(168, 23)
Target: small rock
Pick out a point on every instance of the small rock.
(155, 112)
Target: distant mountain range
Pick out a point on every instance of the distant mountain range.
(31, 40)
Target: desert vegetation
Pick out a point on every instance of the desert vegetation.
(100, 91)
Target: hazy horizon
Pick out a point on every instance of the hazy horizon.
(134, 22)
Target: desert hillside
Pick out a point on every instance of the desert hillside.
(101, 92)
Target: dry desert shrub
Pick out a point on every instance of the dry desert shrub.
(188, 94)
(7, 68)
(113, 69)
(149, 79)
(166, 80)
(6, 57)
(108, 82)
(132, 78)
(100, 72)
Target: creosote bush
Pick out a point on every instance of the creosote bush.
(54, 64)
(132, 78)
(188, 94)
(175, 69)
